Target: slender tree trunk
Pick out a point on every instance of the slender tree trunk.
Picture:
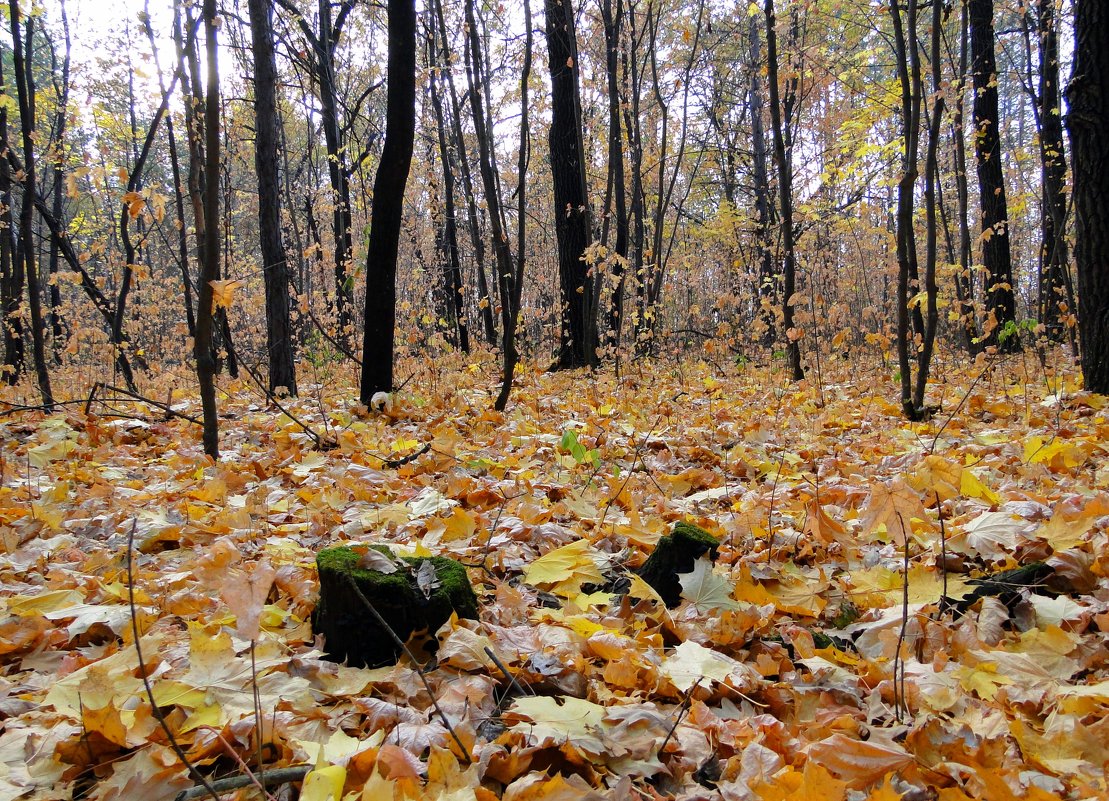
(1088, 122)
(512, 284)
(578, 338)
(485, 305)
(613, 21)
(203, 350)
(785, 195)
(11, 264)
(58, 329)
(452, 263)
(25, 85)
(908, 74)
(341, 221)
(996, 256)
(175, 171)
(275, 270)
(388, 202)
(964, 284)
(931, 173)
(769, 280)
(1056, 296)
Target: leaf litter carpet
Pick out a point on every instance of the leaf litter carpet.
(815, 659)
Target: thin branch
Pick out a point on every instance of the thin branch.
(194, 774)
(419, 667)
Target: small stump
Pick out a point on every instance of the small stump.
(352, 633)
(676, 554)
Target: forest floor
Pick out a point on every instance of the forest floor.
(814, 660)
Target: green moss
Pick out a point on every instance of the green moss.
(675, 554)
(693, 534)
(350, 629)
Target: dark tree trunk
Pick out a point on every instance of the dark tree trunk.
(931, 229)
(512, 285)
(908, 74)
(203, 350)
(964, 284)
(275, 270)
(1088, 123)
(341, 223)
(769, 281)
(783, 162)
(448, 234)
(25, 86)
(11, 264)
(1056, 296)
(485, 304)
(578, 338)
(996, 257)
(388, 202)
(613, 21)
(178, 193)
(59, 331)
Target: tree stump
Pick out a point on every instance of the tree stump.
(676, 554)
(350, 630)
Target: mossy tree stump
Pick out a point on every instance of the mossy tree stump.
(350, 630)
(676, 554)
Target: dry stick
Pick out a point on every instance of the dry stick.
(899, 701)
(395, 463)
(686, 702)
(943, 548)
(170, 412)
(273, 778)
(511, 681)
(194, 774)
(273, 399)
(419, 668)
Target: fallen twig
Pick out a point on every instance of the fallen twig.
(194, 774)
(273, 778)
(419, 668)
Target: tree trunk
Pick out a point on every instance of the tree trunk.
(11, 264)
(613, 20)
(59, 331)
(203, 351)
(485, 304)
(578, 338)
(25, 86)
(388, 202)
(783, 162)
(452, 263)
(769, 287)
(1088, 122)
(1056, 296)
(275, 270)
(964, 283)
(996, 256)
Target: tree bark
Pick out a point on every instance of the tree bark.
(785, 196)
(11, 264)
(203, 351)
(1087, 123)
(275, 270)
(388, 202)
(25, 86)
(578, 337)
(1056, 295)
(613, 21)
(996, 256)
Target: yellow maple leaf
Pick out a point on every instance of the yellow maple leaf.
(223, 293)
(565, 569)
